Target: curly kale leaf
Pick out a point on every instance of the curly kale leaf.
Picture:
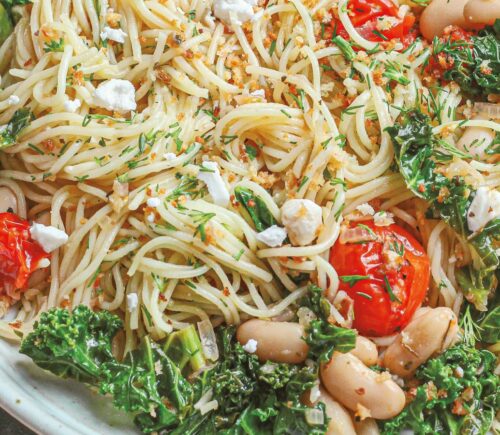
(78, 345)
(255, 207)
(322, 337)
(19, 121)
(474, 65)
(459, 394)
(73, 345)
(252, 397)
(418, 152)
(259, 398)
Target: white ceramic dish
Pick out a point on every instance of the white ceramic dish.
(51, 406)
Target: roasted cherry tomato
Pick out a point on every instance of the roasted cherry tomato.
(19, 254)
(364, 15)
(386, 276)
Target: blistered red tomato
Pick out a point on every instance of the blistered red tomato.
(386, 276)
(19, 254)
(364, 15)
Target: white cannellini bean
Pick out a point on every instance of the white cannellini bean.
(425, 336)
(276, 341)
(8, 201)
(441, 14)
(481, 12)
(353, 384)
(365, 350)
(340, 420)
(368, 426)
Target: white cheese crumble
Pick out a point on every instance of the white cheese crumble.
(365, 209)
(117, 35)
(72, 105)
(302, 219)
(132, 302)
(250, 346)
(484, 207)
(150, 218)
(49, 238)
(240, 10)
(169, 156)
(116, 95)
(13, 100)
(383, 219)
(272, 236)
(153, 202)
(209, 173)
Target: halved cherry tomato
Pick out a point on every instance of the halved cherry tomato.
(386, 277)
(364, 15)
(19, 254)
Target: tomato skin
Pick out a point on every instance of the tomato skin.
(19, 254)
(363, 16)
(375, 314)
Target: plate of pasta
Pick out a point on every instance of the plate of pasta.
(250, 216)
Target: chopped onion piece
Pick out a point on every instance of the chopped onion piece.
(205, 404)
(268, 368)
(314, 393)
(314, 416)
(488, 110)
(306, 316)
(355, 235)
(208, 340)
(210, 406)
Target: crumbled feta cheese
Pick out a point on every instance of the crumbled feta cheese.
(302, 219)
(13, 100)
(484, 207)
(49, 238)
(250, 346)
(72, 105)
(116, 95)
(241, 10)
(153, 202)
(272, 236)
(383, 219)
(365, 209)
(117, 35)
(150, 218)
(132, 302)
(209, 173)
(169, 156)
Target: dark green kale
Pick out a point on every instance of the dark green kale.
(322, 337)
(474, 65)
(252, 397)
(73, 345)
(78, 345)
(458, 394)
(7, 17)
(256, 208)
(419, 153)
(183, 347)
(257, 398)
(20, 120)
